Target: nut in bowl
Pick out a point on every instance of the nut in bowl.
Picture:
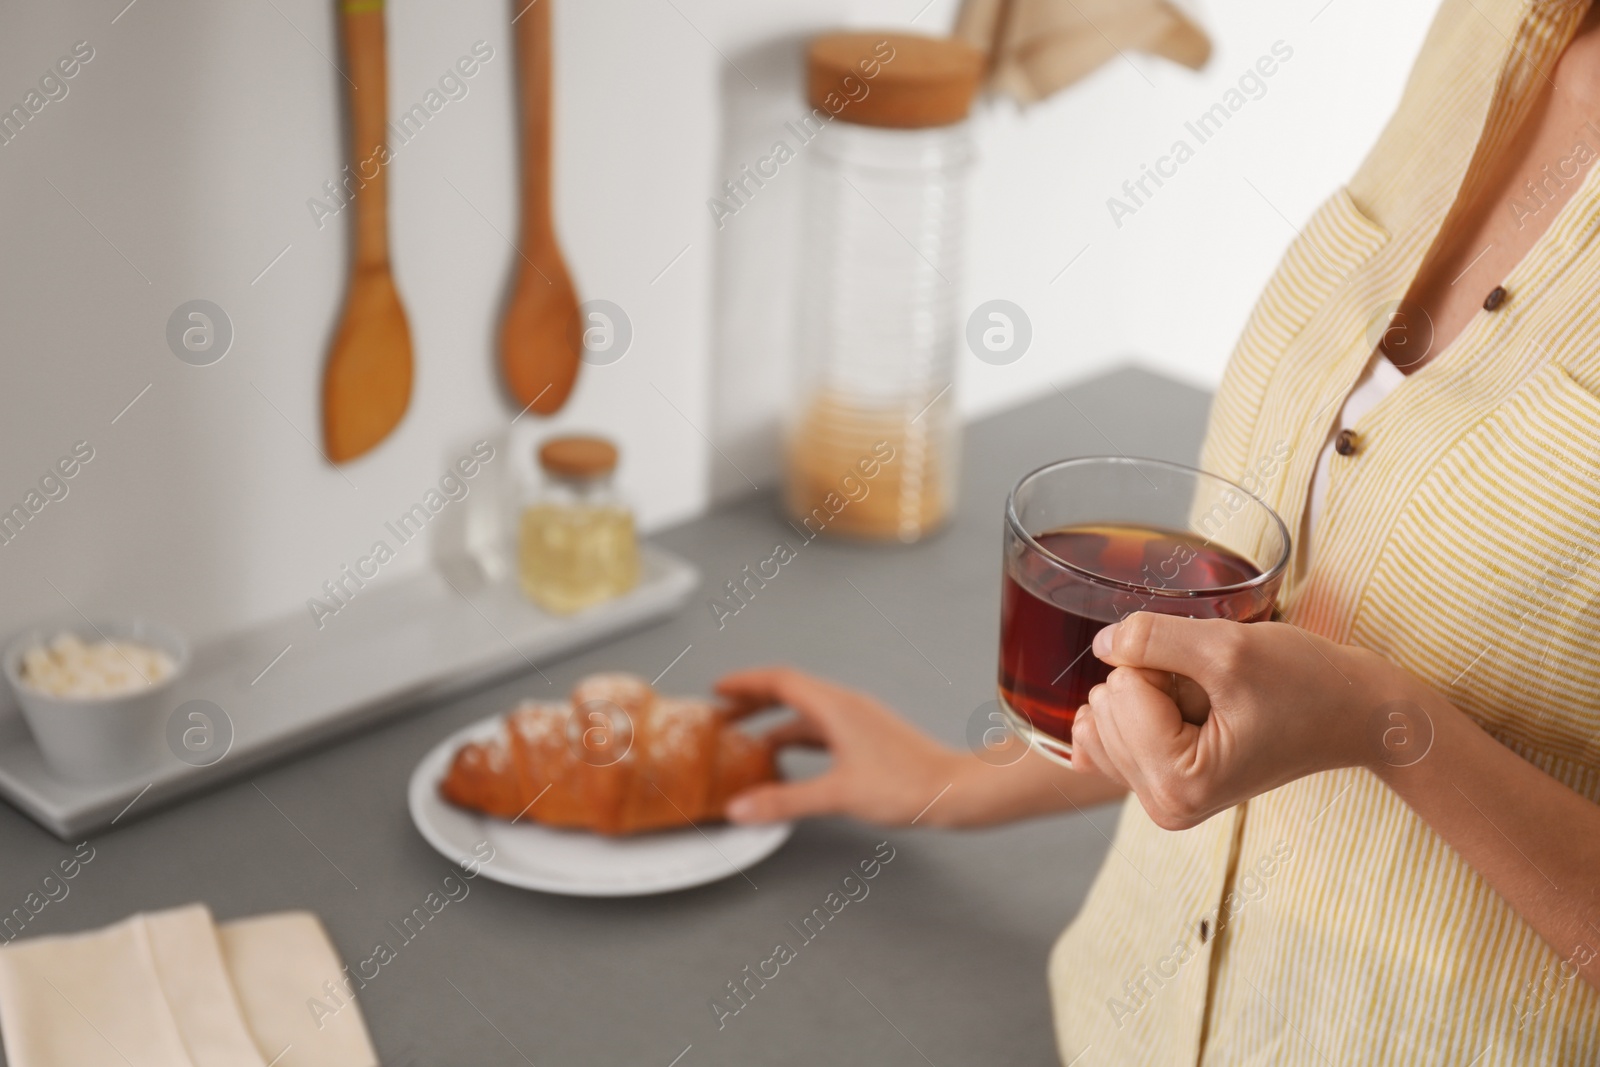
(96, 696)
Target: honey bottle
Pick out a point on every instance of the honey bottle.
(576, 544)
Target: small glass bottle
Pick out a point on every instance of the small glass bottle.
(575, 539)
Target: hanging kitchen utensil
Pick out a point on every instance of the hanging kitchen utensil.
(367, 382)
(540, 339)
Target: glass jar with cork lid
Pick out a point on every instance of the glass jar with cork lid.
(872, 442)
(576, 544)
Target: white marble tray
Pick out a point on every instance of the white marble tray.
(286, 685)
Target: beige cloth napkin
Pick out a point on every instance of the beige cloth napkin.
(173, 989)
(1036, 47)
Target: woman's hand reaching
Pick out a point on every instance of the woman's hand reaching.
(885, 770)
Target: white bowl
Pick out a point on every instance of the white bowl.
(98, 739)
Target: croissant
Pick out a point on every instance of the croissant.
(617, 759)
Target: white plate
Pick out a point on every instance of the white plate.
(575, 862)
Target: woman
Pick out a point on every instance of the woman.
(1371, 833)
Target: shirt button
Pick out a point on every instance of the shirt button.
(1345, 443)
(1496, 297)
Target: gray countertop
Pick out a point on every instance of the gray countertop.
(942, 962)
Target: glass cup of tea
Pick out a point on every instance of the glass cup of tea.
(1091, 540)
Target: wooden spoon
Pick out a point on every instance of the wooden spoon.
(367, 382)
(540, 339)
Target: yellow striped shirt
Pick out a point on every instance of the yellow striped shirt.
(1324, 923)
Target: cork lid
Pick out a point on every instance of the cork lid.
(578, 456)
(898, 80)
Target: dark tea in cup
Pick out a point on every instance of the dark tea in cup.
(1090, 541)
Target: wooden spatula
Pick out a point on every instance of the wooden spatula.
(367, 382)
(540, 339)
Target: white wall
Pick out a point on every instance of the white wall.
(181, 161)
(1175, 282)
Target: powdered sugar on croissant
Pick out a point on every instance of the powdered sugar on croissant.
(617, 758)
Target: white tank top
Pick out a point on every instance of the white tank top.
(1376, 382)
